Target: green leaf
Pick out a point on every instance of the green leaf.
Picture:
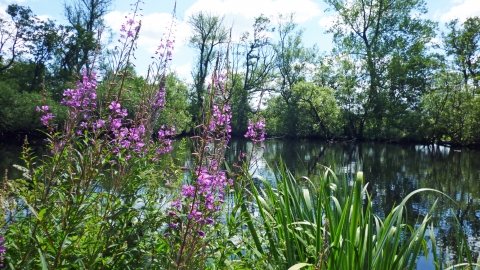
(42, 260)
(41, 214)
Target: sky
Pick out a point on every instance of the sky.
(311, 15)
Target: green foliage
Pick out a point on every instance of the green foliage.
(319, 103)
(17, 109)
(207, 36)
(292, 59)
(464, 45)
(77, 211)
(86, 20)
(280, 120)
(241, 108)
(451, 110)
(327, 225)
(368, 32)
(176, 109)
(311, 111)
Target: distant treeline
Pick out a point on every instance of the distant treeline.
(388, 77)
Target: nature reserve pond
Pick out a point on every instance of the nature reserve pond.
(391, 171)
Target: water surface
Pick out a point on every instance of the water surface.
(391, 171)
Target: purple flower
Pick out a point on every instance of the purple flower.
(123, 113)
(220, 122)
(80, 101)
(125, 143)
(3, 249)
(256, 131)
(100, 123)
(139, 146)
(165, 141)
(201, 233)
(177, 204)
(188, 191)
(197, 215)
(46, 119)
(159, 99)
(116, 124)
(114, 106)
(165, 49)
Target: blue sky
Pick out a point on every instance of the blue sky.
(310, 15)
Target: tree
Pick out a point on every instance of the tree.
(42, 46)
(259, 55)
(251, 67)
(208, 34)
(319, 103)
(292, 58)
(450, 111)
(31, 43)
(372, 32)
(14, 34)
(342, 74)
(464, 45)
(86, 20)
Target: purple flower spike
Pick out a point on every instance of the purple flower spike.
(256, 131)
(114, 106)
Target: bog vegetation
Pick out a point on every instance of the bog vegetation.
(110, 195)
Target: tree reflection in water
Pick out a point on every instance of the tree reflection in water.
(392, 172)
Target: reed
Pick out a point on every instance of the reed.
(331, 225)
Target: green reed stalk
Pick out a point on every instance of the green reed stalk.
(328, 226)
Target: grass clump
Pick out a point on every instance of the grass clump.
(331, 225)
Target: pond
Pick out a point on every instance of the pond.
(391, 171)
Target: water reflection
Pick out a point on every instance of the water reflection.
(11, 154)
(392, 172)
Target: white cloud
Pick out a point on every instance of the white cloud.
(3, 14)
(8, 27)
(327, 22)
(435, 41)
(303, 9)
(16, 1)
(241, 13)
(183, 72)
(155, 26)
(45, 17)
(466, 8)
